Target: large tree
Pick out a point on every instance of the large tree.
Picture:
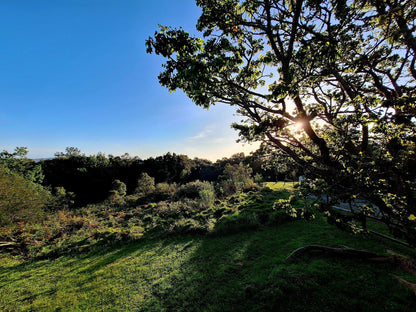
(330, 83)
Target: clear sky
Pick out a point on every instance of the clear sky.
(76, 73)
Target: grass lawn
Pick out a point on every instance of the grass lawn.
(245, 271)
(281, 186)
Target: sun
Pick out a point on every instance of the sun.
(298, 125)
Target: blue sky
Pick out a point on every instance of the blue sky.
(76, 73)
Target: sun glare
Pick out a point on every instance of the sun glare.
(298, 125)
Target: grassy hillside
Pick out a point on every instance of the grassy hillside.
(244, 271)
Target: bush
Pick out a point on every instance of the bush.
(117, 193)
(235, 178)
(164, 191)
(115, 199)
(133, 200)
(258, 178)
(20, 200)
(203, 192)
(119, 187)
(145, 184)
(62, 198)
(207, 198)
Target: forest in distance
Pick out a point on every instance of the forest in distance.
(90, 178)
(34, 195)
(72, 179)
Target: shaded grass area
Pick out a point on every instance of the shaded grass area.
(246, 271)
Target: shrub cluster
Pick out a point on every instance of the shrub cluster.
(48, 225)
(20, 200)
(203, 192)
(79, 230)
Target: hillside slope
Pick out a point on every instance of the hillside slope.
(245, 271)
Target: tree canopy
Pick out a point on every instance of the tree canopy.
(329, 83)
(17, 163)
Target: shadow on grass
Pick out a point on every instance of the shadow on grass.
(245, 271)
(249, 272)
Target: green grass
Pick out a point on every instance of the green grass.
(246, 271)
(281, 186)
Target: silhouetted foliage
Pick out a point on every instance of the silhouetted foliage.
(331, 84)
(69, 152)
(91, 177)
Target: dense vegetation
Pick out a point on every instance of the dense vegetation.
(122, 201)
(217, 245)
(330, 84)
(91, 177)
(74, 203)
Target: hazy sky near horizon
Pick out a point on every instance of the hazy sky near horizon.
(76, 73)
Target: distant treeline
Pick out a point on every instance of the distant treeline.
(91, 177)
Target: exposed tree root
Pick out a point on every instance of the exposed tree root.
(343, 252)
(405, 263)
(411, 286)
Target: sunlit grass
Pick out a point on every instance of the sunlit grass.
(239, 265)
(246, 271)
(281, 186)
